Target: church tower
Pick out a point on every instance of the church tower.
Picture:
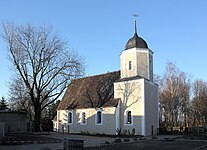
(137, 59)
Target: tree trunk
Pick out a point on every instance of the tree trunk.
(185, 119)
(37, 117)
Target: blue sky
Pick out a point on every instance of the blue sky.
(175, 30)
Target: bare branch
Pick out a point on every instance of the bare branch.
(42, 61)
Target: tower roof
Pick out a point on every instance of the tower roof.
(135, 41)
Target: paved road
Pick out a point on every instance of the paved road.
(143, 145)
(155, 145)
(172, 143)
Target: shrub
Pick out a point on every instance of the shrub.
(117, 140)
(118, 131)
(133, 131)
(126, 140)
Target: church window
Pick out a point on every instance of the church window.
(83, 118)
(70, 117)
(130, 65)
(99, 118)
(129, 117)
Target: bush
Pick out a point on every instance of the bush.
(117, 140)
(118, 131)
(126, 140)
(163, 130)
(133, 131)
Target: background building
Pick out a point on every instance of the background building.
(13, 121)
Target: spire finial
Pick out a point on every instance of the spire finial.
(135, 25)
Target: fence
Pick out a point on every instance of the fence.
(1, 132)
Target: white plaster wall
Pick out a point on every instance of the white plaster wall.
(126, 56)
(108, 125)
(62, 123)
(55, 126)
(151, 107)
(142, 63)
(131, 99)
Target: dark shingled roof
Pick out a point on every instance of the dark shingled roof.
(89, 92)
(136, 42)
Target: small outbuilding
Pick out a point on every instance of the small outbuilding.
(13, 121)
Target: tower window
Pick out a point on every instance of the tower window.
(128, 118)
(130, 65)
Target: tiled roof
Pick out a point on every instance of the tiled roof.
(90, 92)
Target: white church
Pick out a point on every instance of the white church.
(119, 102)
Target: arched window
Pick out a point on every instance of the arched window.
(130, 65)
(83, 118)
(99, 118)
(70, 117)
(129, 117)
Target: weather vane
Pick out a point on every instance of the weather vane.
(135, 16)
(135, 26)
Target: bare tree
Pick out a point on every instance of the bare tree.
(169, 93)
(19, 97)
(185, 89)
(199, 102)
(174, 95)
(43, 62)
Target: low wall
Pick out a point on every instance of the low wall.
(1, 132)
